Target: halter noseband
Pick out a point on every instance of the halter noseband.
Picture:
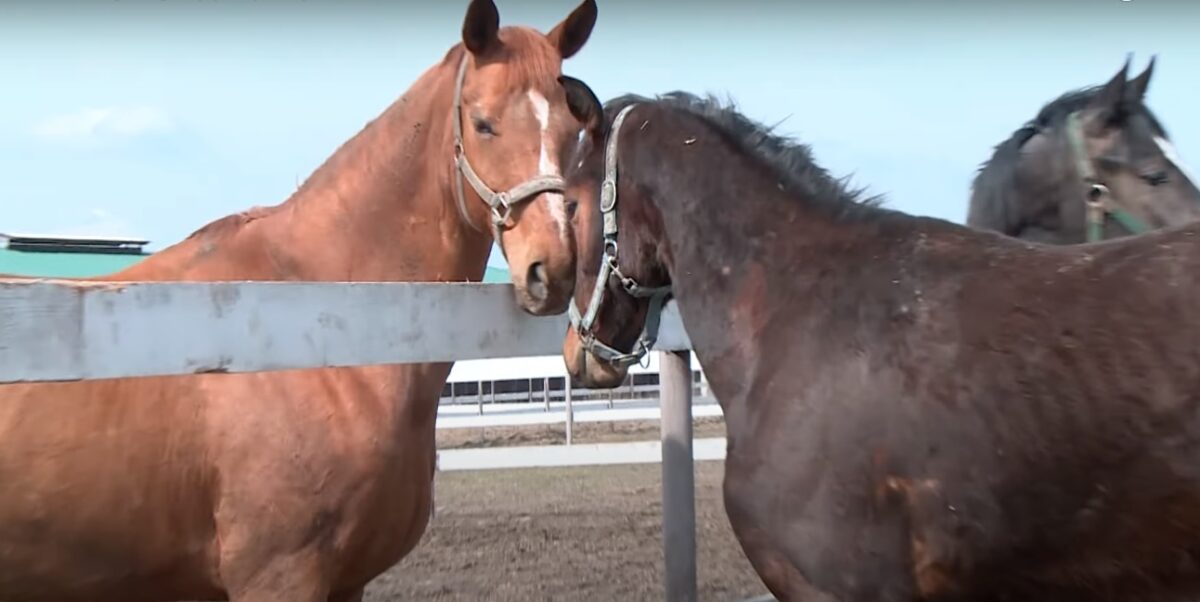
(500, 203)
(609, 268)
(1098, 199)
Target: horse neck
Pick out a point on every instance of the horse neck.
(743, 253)
(1005, 193)
(379, 209)
(720, 226)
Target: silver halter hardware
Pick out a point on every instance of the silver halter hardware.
(500, 203)
(609, 268)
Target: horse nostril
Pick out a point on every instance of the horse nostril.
(535, 281)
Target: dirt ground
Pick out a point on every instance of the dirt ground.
(579, 533)
(555, 434)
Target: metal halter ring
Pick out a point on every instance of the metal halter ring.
(610, 248)
(500, 201)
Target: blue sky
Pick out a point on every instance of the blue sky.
(148, 118)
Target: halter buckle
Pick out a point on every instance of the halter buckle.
(1096, 191)
(630, 285)
(610, 251)
(644, 354)
(608, 196)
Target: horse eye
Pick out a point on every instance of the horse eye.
(1155, 178)
(484, 127)
(572, 205)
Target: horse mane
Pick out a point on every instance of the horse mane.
(792, 160)
(994, 201)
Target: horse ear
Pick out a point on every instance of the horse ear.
(1112, 95)
(584, 105)
(481, 27)
(574, 31)
(1139, 85)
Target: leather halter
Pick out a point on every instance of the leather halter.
(609, 268)
(500, 203)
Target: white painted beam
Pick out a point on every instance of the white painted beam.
(70, 330)
(580, 454)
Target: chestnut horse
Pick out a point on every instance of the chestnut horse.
(915, 409)
(1094, 164)
(300, 485)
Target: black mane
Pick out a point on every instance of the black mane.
(792, 160)
(991, 191)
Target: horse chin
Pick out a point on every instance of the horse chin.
(598, 374)
(588, 370)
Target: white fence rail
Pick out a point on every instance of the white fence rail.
(53, 330)
(70, 330)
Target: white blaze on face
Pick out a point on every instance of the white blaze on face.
(1172, 155)
(547, 165)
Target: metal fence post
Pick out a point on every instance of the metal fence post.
(678, 478)
(570, 409)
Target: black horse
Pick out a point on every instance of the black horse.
(1094, 164)
(915, 409)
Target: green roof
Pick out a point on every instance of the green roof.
(90, 265)
(64, 265)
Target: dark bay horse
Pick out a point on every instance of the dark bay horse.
(915, 409)
(303, 485)
(1094, 164)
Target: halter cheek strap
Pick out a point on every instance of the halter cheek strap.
(1098, 199)
(610, 268)
(500, 203)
